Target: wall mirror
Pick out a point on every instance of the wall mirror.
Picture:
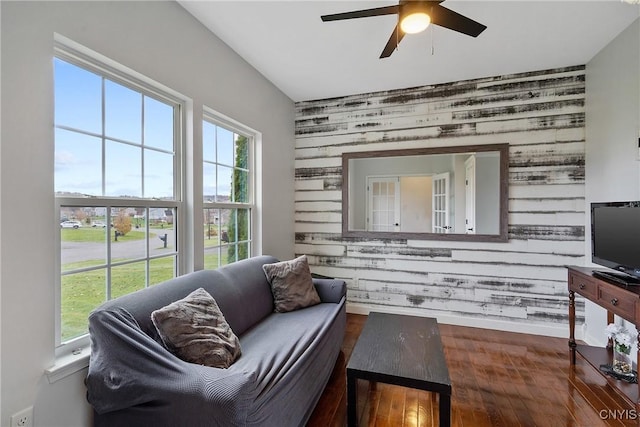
(444, 193)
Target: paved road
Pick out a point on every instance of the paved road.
(83, 251)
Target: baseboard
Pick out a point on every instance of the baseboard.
(556, 330)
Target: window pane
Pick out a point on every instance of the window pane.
(158, 124)
(243, 250)
(158, 175)
(237, 252)
(212, 235)
(211, 226)
(240, 186)
(78, 97)
(224, 255)
(225, 215)
(161, 218)
(208, 141)
(161, 269)
(242, 152)
(237, 227)
(128, 278)
(162, 235)
(82, 238)
(123, 113)
(225, 178)
(123, 174)
(80, 294)
(209, 182)
(78, 163)
(212, 258)
(225, 144)
(128, 238)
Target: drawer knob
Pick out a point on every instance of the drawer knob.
(614, 301)
(582, 286)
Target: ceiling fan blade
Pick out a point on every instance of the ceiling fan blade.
(378, 11)
(393, 42)
(454, 21)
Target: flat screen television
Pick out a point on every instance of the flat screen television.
(615, 240)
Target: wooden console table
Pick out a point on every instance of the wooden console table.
(620, 300)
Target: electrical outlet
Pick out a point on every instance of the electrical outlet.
(23, 418)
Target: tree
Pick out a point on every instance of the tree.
(122, 223)
(81, 216)
(238, 226)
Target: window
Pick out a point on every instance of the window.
(117, 184)
(227, 153)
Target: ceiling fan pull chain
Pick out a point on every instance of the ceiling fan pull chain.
(432, 48)
(397, 34)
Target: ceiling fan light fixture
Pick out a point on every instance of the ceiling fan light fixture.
(415, 22)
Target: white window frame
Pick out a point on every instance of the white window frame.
(252, 136)
(76, 54)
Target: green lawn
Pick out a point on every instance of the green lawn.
(210, 242)
(97, 235)
(82, 292)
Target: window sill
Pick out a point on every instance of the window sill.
(68, 365)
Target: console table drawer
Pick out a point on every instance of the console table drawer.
(618, 301)
(584, 285)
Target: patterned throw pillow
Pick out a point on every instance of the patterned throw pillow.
(195, 330)
(291, 284)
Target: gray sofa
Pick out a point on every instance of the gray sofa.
(286, 361)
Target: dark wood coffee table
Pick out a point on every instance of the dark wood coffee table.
(400, 350)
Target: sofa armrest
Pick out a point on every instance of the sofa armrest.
(129, 371)
(330, 290)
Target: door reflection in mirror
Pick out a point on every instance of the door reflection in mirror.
(406, 192)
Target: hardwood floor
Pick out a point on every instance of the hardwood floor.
(498, 379)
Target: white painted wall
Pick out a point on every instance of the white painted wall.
(165, 43)
(416, 199)
(612, 130)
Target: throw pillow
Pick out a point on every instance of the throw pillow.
(291, 284)
(195, 330)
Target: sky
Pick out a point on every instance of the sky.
(138, 135)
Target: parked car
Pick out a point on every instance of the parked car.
(100, 224)
(71, 224)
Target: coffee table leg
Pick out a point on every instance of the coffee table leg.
(352, 401)
(445, 410)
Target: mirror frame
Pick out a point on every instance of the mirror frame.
(502, 236)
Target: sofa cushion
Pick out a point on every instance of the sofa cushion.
(291, 368)
(195, 330)
(291, 284)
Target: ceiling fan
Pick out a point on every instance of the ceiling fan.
(413, 17)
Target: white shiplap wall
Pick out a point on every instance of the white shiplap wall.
(519, 285)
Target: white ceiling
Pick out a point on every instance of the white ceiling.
(309, 59)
